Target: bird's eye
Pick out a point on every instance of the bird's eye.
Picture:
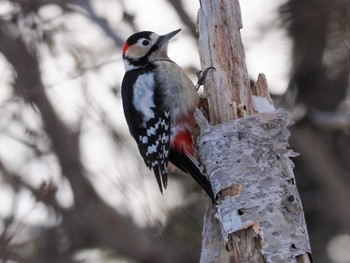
(145, 42)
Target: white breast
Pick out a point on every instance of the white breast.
(143, 95)
(180, 94)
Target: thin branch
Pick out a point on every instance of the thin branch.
(7, 254)
(84, 4)
(100, 21)
(324, 120)
(30, 145)
(326, 170)
(183, 15)
(331, 120)
(82, 70)
(91, 222)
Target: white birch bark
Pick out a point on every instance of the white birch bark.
(248, 159)
(246, 153)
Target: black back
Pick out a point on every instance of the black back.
(159, 125)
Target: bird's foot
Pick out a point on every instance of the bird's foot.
(202, 75)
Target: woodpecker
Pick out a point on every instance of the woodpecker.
(159, 101)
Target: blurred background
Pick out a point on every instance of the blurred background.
(72, 185)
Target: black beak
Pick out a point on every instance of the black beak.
(165, 38)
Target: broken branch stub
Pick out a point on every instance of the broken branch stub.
(249, 165)
(220, 46)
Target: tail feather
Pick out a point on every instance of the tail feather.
(165, 180)
(161, 174)
(157, 174)
(191, 166)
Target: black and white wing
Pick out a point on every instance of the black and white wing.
(148, 121)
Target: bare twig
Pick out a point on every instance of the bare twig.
(102, 22)
(92, 221)
(185, 18)
(326, 168)
(331, 120)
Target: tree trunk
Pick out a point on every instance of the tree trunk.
(245, 154)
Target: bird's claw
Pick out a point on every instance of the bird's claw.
(202, 75)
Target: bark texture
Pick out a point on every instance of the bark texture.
(249, 156)
(246, 156)
(212, 238)
(220, 46)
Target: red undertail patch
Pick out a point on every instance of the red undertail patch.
(183, 142)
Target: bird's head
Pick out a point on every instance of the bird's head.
(143, 47)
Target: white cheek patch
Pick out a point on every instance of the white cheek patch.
(137, 51)
(143, 95)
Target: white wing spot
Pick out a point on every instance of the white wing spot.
(151, 149)
(144, 139)
(154, 163)
(151, 131)
(143, 95)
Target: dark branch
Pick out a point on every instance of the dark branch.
(91, 222)
(183, 15)
(100, 21)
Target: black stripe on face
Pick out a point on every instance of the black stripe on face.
(135, 37)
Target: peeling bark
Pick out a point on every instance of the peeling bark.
(248, 158)
(220, 46)
(246, 153)
(212, 239)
